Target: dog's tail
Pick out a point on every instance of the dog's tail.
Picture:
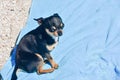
(14, 76)
(1, 77)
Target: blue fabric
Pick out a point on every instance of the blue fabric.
(90, 46)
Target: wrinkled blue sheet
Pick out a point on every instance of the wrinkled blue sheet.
(90, 46)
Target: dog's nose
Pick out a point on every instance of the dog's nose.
(60, 33)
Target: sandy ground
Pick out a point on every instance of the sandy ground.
(13, 16)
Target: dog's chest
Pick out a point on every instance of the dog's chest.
(52, 46)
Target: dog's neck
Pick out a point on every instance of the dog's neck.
(55, 38)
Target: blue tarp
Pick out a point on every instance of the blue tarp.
(90, 46)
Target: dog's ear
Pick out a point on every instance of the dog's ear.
(56, 14)
(39, 20)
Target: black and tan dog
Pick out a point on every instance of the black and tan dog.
(36, 45)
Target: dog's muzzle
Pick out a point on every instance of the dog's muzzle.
(60, 33)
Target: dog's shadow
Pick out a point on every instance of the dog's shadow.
(12, 54)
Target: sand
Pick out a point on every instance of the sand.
(13, 16)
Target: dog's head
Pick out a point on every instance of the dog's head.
(53, 25)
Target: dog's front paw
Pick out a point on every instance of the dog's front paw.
(55, 66)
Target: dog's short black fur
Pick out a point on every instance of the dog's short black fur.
(36, 45)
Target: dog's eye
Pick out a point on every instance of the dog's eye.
(62, 25)
(53, 28)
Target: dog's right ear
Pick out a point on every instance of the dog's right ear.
(39, 20)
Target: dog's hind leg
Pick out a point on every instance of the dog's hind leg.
(40, 69)
(43, 71)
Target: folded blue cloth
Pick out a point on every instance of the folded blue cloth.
(90, 46)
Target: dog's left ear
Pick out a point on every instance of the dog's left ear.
(39, 20)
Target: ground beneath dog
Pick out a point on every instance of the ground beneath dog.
(13, 16)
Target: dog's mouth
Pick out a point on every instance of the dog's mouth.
(58, 33)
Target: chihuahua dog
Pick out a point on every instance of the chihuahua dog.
(36, 46)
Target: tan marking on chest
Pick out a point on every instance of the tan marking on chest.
(51, 47)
